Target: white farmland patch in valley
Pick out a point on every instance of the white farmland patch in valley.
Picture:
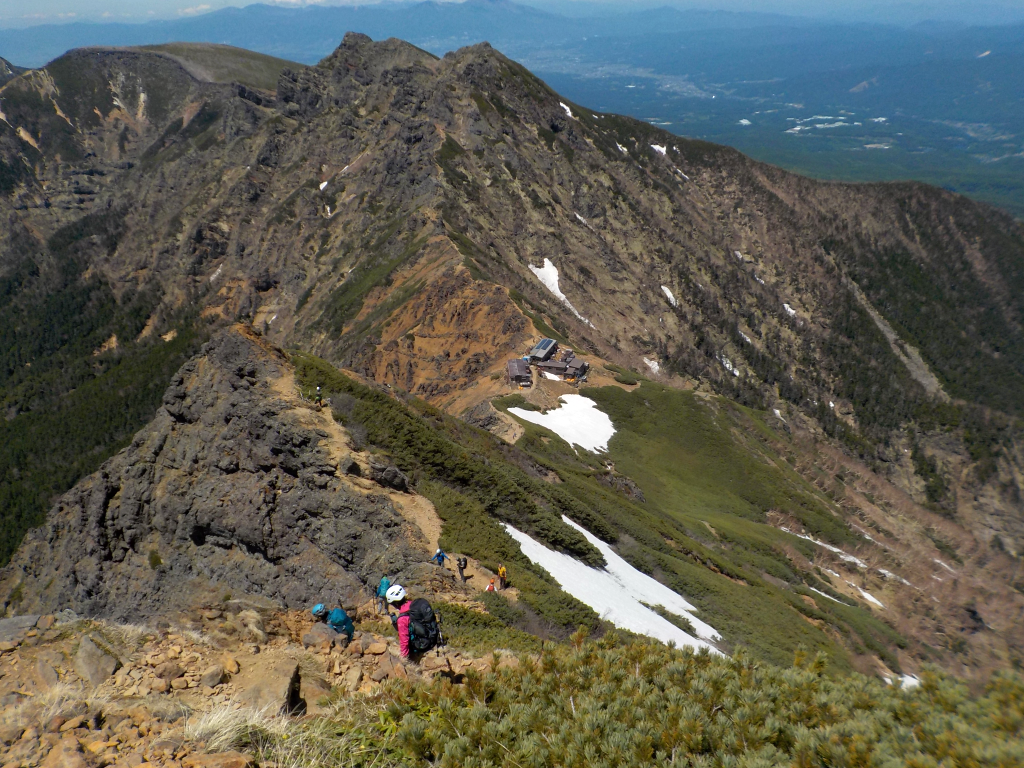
(653, 365)
(548, 274)
(618, 591)
(668, 295)
(578, 421)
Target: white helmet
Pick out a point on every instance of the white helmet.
(396, 594)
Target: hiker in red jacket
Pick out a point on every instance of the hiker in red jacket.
(397, 599)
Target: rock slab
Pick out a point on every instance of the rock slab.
(92, 663)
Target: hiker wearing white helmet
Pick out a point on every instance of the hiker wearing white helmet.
(396, 598)
(440, 556)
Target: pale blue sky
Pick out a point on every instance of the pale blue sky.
(30, 12)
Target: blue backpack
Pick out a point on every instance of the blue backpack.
(382, 588)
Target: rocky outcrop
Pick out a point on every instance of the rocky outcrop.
(227, 489)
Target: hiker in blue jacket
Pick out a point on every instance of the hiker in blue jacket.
(439, 557)
(336, 619)
(381, 603)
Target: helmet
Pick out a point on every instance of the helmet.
(396, 594)
(319, 610)
(437, 551)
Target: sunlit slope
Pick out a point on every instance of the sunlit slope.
(226, 64)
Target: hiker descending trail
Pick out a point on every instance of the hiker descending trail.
(415, 622)
(440, 556)
(338, 621)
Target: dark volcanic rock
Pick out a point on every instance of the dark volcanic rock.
(225, 486)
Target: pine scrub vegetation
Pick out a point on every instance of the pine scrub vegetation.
(620, 702)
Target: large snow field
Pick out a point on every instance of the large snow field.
(548, 274)
(617, 592)
(578, 421)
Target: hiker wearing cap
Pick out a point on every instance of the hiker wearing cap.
(490, 587)
(502, 576)
(336, 619)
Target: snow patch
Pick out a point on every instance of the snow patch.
(944, 565)
(582, 220)
(746, 338)
(828, 596)
(568, 111)
(842, 555)
(551, 376)
(729, 366)
(548, 274)
(867, 595)
(216, 273)
(759, 279)
(622, 149)
(323, 185)
(906, 681)
(578, 421)
(652, 364)
(789, 310)
(617, 591)
(669, 296)
(893, 577)
(660, 149)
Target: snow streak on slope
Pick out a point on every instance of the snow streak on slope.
(548, 274)
(669, 295)
(578, 422)
(616, 592)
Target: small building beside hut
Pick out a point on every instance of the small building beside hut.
(519, 372)
(543, 351)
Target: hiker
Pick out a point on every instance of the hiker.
(490, 587)
(462, 563)
(318, 398)
(502, 576)
(336, 619)
(439, 557)
(381, 601)
(416, 624)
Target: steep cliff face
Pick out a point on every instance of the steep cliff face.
(234, 487)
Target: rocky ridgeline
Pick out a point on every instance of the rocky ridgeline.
(91, 694)
(232, 484)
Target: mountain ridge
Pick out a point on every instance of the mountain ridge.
(388, 210)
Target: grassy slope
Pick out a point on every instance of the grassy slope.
(713, 465)
(226, 64)
(475, 481)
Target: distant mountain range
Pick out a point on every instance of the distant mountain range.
(936, 102)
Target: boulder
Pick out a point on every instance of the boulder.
(15, 628)
(348, 466)
(46, 675)
(353, 678)
(276, 687)
(160, 686)
(92, 663)
(212, 676)
(169, 670)
(375, 649)
(230, 665)
(318, 635)
(388, 475)
(65, 755)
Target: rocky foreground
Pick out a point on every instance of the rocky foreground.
(83, 693)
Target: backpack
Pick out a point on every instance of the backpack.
(340, 622)
(382, 588)
(424, 633)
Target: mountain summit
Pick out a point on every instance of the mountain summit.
(420, 221)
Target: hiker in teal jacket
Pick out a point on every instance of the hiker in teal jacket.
(381, 601)
(336, 619)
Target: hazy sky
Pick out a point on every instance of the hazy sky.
(23, 12)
